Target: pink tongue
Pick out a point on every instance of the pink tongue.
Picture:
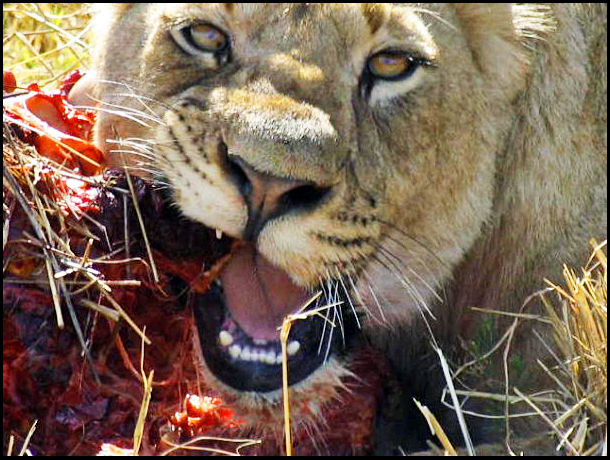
(258, 294)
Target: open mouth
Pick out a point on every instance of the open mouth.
(238, 320)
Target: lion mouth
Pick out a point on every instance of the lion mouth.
(238, 316)
(238, 321)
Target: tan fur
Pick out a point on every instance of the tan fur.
(463, 188)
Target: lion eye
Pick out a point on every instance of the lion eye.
(203, 40)
(208, 38)
(391, 65)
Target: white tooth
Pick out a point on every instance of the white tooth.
(270, 357)
(234, 351)
(260, 342)
(218, 234)
(293, 347)
(278, 359)
(254, 355)
(245, 354)
(225, 338)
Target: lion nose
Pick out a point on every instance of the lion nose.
(268, 196)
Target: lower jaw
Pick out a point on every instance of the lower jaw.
(332, 411)
(332, 407)
(318, 344)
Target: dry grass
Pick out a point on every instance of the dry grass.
(24, 447)
(581, 373)
(574, 405)
(42, 42)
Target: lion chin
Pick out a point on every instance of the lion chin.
(332, 409)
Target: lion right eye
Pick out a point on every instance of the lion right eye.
(201, 39)
(207, 38)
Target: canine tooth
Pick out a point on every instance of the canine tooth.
(293, 347)
(235, 351)
(218, 234)
(225, 338)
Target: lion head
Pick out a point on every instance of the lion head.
(356, 150)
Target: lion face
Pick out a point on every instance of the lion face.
(352, 149)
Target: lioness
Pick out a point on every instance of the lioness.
(410, 162)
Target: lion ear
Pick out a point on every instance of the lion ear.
(493, 41)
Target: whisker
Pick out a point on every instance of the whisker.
(325, 295)
(131, 114)
(435, 15)
(365, 274)
(338, 311)
(358, 297)
(349, 298)
(135, 152)
(406, 283)
(132, 93)
(397, 263)
(412, 238)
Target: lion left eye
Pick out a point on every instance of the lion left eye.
(388, 65)
(390, 73)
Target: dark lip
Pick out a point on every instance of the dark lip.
(317, 344)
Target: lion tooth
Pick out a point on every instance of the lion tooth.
(218, 234)
(246, 354)
(293, 347)
(270, 357)
(235, 351)
(225, 338)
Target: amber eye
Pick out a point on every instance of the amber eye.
(391, 65)
(207, 38)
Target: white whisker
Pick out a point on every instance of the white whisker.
(374, 296)
(349, 298)
(400, 263)
(131, 114)
(361, 302)
(338, 310)
(326, 320)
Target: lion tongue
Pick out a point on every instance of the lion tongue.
(258, 294)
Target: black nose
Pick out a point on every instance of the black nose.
(268, 196)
